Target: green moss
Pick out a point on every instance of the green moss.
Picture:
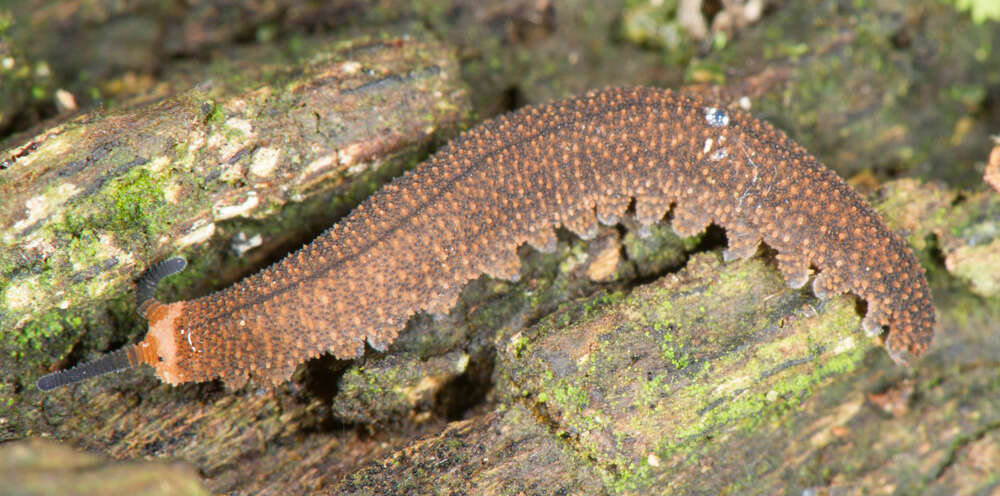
(676, 373)
(132, 202)
(137, 202)
(661, 251)
(519, 345)
(774, 394)
(121, 217)
(365, 395)
(672, 352)
(569, 397)
(6, 21)
(215, 116)
(39, 333)
(656, 24)
(651, 391)
(980, 10)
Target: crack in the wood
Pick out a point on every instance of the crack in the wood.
(960, 443)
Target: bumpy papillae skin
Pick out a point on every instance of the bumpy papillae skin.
(414, 244)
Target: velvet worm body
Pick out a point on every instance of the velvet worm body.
(415, 243)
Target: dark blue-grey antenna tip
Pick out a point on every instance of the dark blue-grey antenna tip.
(115, 361)
(146, 285)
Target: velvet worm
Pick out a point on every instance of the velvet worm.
(416, 242)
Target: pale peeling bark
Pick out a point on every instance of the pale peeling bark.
(218, 175)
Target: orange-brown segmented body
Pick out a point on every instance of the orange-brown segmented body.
(414, 244)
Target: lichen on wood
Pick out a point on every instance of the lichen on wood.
(90, 202)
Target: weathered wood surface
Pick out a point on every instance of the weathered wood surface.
(615, 365)
(91, 202)
(43, 466)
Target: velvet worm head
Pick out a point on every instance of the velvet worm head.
(146, 352)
